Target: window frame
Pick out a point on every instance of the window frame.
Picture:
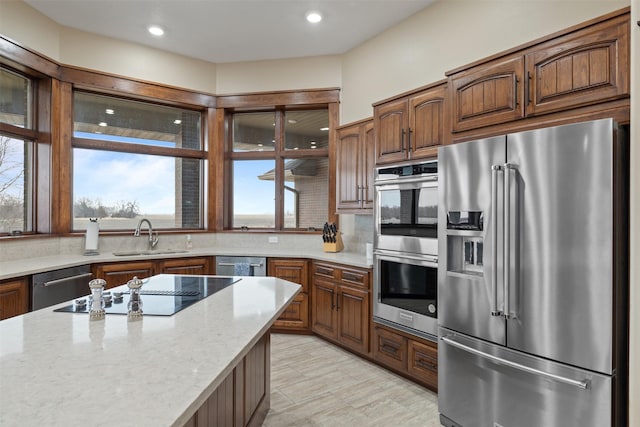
(39, 136)
(279, 102)
(134, 148)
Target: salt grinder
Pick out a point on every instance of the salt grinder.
(96, 307)
(135, 303)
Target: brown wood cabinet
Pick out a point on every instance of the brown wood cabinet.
(341, 303)
(410, 126)
(243, 398)
(408, 355)
(296, 316)
(200, 266)
(355, 159)
(14, 297)
(583, 65)
(119, 273)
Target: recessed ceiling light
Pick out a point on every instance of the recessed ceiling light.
(292, 121)
(260, 145)
(314, 17)
(177, 121)
(325, 129)
(295, 148)
(103, 124)
(155, 30)
(109, 111)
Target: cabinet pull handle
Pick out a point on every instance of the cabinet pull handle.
(332, 295)
(427, 365)
(515, 90)
(402, 140)
(527, 88)
(324, 271)
(350, 276)
(389, 348)
(409, 142)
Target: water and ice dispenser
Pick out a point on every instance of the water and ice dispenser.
(465, 242)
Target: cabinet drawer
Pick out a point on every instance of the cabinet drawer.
(325, 270)
(423, 362)
(390, 349)
(354, 277)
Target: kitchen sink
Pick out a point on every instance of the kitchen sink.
(142, 253)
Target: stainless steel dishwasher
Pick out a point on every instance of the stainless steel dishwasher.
(58, 286)
(241, 266)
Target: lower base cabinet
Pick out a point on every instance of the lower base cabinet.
(14, 297)
(296, 316)
(119, 273)
(341, 305)
(243, 398)
(408, 355)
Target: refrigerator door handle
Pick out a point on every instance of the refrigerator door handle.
(584, 384)
(495, 169)
(507, 240)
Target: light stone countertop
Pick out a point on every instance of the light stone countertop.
(28, 266)
(62, 369)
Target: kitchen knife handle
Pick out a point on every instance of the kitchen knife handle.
(584, 384)
(495, 169)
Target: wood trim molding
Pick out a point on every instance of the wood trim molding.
(306, 97)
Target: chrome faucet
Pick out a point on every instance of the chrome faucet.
(153, 241)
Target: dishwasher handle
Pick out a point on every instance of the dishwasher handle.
(66, 279)
(233, 264)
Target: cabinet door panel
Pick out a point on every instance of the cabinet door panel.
(323, 315)
(353, 318)
(348, 169)
(14, 299)
(296, 316)
(293, 270)
(391, 127)
(368, 165)
(120, 273)
(581, 68)
(426, 115)
(200, 266)
(390, 348)
(423, 362)
(488, 94)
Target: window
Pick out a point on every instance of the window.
(135, 159)
(279, 167)
(17, 139)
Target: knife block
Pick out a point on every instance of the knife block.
(334, 247)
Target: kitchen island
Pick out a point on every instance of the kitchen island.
(210, 360)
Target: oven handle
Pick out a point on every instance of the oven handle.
(407, 180)
(403, 256)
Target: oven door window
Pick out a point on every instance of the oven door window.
(409, 287)
(409, 212)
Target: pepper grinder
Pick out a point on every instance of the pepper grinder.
(135, 303)
(96, 307)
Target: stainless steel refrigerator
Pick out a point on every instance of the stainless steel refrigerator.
(532, 278)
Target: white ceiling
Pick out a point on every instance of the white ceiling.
(235, 30)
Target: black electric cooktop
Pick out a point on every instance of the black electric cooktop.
(162, 295)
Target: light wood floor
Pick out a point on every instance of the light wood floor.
(314, 383)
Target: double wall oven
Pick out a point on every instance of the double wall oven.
(406, 246)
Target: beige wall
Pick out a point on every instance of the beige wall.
(634, 355)
(22, 23)
(259, 76)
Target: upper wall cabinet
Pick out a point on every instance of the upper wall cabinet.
(585, 65)
(355, 156)
(581, 68)
(410, 126)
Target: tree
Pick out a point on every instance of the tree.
(11, 185)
